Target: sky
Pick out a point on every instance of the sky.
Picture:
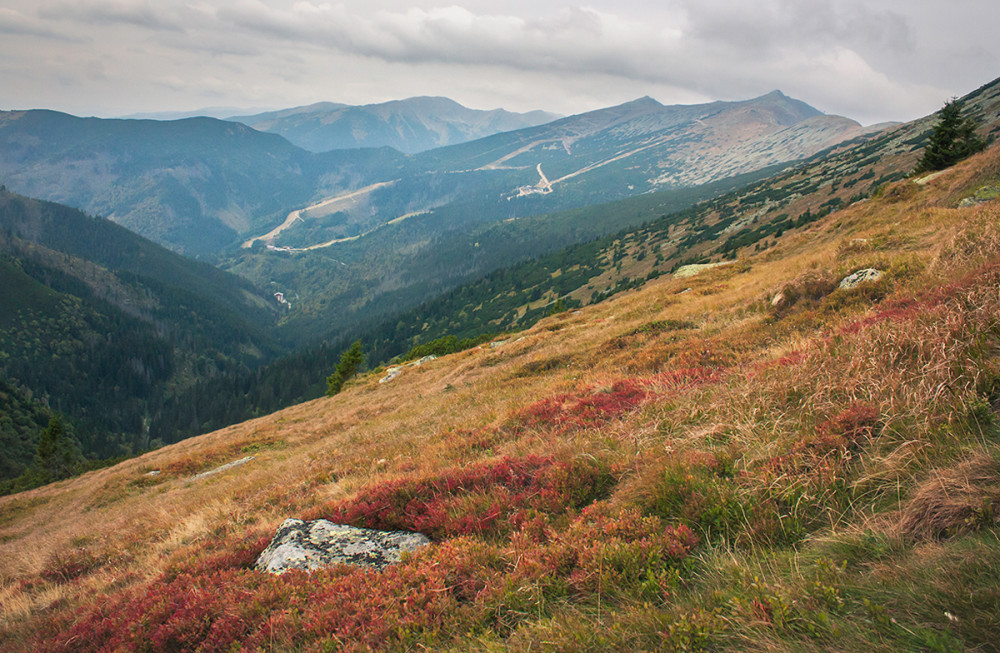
(870, 60)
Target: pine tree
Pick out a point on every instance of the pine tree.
(56, 456)
(350, 361)
(952, 139)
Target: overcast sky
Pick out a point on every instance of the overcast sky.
(871, 60)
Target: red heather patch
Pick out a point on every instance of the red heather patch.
(838, 436)
(460, 586)
(571, 411)
(900, 310)
(847, 429)
(479, 499)
(686, 378)
(791, 359)
(69, 567)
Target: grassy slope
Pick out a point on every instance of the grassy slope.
(664, 470)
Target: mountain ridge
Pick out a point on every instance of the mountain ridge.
(410, 126)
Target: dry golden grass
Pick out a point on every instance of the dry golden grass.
(953, 501)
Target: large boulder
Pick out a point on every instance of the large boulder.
(310, 545)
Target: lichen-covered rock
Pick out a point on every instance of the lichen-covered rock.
(314, 544)
(861, 276)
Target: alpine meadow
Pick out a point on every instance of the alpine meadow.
(405, 375)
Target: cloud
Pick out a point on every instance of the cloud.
(15, 23)
(137, 13)
(768, 24)
(870, 59)
(711, 47)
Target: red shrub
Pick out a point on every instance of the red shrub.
(846, 430)
(689, 377)
(65, 567)
(900, 310)
(459, 586)
(476, 500)
(571, 411)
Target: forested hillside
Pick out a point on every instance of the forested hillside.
(102, 326)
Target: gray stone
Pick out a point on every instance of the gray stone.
(222, 468)
(779, 299)
(315, 544)
(391, 373)
(861, 276)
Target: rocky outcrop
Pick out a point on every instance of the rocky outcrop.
(861, 276)
(310, 545)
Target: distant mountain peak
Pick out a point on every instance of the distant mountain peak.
(643, 102)
(411, 125)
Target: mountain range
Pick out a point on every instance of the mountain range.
(399, 282)
(340, 230)
(410, 126)
(199, 185)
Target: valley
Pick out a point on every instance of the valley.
(320, 209)
(413, 277)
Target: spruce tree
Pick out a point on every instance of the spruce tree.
(350, 362)
(952, 139)
(56, 456)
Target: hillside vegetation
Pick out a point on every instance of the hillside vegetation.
(692, 465)
(103, 326)
(651, 235)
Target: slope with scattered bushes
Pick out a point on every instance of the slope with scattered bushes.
(681, 467)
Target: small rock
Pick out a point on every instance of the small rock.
(861, 276)
(425, 359)
(393, 372)
(498, 343)
(222, 468)
(154, 472)
(779, 299)
(315, 544)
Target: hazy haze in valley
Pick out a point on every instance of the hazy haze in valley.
(870, 60)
